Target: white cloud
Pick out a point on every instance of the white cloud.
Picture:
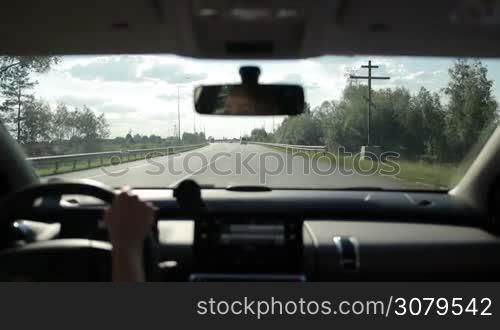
(172, 74)
(78, 101)
(118, 68)
(116, 108)
(140, 92)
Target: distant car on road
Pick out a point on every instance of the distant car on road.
(243, 140)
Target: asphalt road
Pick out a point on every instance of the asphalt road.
(230, 164)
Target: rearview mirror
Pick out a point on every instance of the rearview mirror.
(249, 98)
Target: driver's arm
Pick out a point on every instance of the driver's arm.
(129, 221)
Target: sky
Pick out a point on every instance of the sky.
(140, 93)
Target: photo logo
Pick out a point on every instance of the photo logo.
(264, 165)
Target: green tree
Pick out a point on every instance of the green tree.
(471, 105)
(155, 139)
(259, 135)
(137, 138)
(300, 130)
(347, 124)
(129, 138)
(103, 130)
(90, 126)
(188, 138)
(16, 94)
(388, 109)
(422, 125)
(326, 114)
(62, 123)
(37, 121)
(193, 138)
(81, 127)
(15, 83)
(29, 64)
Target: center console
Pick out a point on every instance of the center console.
(244, 247)
(239, 247)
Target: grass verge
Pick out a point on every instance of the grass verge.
(430, 176)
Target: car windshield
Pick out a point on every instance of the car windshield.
(400, 123)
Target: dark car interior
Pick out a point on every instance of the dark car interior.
(246, 233)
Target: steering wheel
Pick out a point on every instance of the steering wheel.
(23, 205)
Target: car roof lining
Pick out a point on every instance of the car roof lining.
(323, 27)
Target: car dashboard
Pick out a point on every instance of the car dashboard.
(305, 235)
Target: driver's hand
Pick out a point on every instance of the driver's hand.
(129, 221)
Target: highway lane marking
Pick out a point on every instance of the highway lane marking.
(173, 185)
(95, 176)
(178, 156)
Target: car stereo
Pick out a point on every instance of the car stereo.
(248, 245)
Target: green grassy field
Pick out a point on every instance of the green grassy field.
(439, 176)
(429, 176)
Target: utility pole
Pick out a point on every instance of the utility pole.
(369, 78)
(179, 112)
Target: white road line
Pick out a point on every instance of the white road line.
(131, 167)
(173, 185)
(95, 176)
(178, 156)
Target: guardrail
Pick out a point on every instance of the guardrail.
(122, 155)
(291, 147)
